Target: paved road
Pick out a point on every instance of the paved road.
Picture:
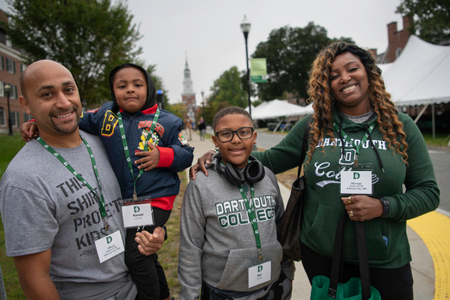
(440, 156)
(441, 164)
(267, 140)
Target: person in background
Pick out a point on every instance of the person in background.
(188, 127)
(202, 128)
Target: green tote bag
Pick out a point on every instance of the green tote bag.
(324, 288)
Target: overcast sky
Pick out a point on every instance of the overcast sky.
(208, 31)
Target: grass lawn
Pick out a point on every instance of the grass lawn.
(208, 136)
(168, 256)
(441, 139)
(266, 130)
(9, 146)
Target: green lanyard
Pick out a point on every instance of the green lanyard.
(127, 152)
(101, 201)
(345, 136)
(252, 216)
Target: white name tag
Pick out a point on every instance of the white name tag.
(259, 274)
(136, 215)
(356, 182)
(109, 246)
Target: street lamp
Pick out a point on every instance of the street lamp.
(245, 27)
(8, 90)
(203, 103)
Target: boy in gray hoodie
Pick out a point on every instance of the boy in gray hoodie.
(228, 237)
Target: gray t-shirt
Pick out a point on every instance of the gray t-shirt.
(43, 205)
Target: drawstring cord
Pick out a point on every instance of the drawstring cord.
(340, 135)
(374, 148)
(370, 138)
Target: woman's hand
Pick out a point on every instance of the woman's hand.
(28, 131)
(362, 207)
(150, 158)
(200, 165)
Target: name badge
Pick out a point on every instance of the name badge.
(109, 246)
(356, 182)
(137, 215)
(259, 274)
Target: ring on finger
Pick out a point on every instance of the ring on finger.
(349, 200)
(351, 214)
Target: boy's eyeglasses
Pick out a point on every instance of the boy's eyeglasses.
(243, 133)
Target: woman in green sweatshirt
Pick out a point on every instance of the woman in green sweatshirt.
(356, 126)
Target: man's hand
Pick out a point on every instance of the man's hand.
(200, 165)
(34, 275)
(150, 243)
(28, 131)
(150, 158)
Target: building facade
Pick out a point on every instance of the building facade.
(396, 42)
(188, 95)
(11, 67)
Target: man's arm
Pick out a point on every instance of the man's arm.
(34, 275)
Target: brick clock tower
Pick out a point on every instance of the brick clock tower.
(188, 95)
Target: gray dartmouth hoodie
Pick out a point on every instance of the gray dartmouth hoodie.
(217, 243)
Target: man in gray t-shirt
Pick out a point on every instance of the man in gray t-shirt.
(52, 216)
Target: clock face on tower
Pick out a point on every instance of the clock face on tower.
(188, 86)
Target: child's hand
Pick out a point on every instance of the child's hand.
(150, 159)
(28, 131)
(150, 243)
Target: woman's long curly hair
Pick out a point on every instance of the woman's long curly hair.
(319, 91)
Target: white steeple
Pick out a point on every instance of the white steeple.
(187, 81)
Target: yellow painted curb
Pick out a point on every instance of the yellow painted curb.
(434, 229)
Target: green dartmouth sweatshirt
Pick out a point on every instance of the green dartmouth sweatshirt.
(387, 242)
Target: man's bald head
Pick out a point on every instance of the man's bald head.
(34, 68)
(50, 94)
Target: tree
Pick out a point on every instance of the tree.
(89, 37)
(177, 109)
(226, 91)
(159, 85)
(430, 19)
(290, 53)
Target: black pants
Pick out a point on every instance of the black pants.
(146, 271)
(393, 284)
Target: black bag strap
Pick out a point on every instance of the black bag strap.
(338, 258)
(363, 260)
(304, 144)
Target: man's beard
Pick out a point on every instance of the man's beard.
(64, 129)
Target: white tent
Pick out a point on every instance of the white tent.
(420, 75)
(309, 109)
(279, 108)
(384, 68)
(252, 107)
